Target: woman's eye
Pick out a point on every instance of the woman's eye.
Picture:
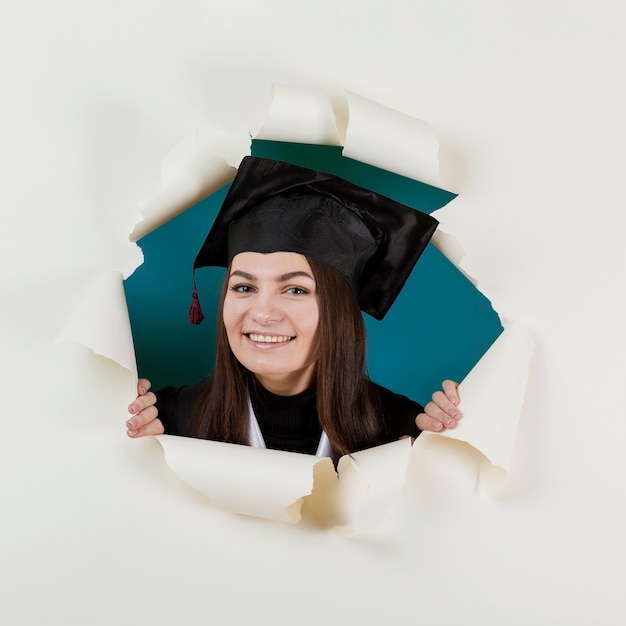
(241, 288)
(296, 290)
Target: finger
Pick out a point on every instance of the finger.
(425, 422)
(143, 386)
(450, 388)
(155, 427)
(141, 402)
(440, 400)
(434, 411)
(142, 418)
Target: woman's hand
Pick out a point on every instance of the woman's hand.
(441, 412)
(144, 420)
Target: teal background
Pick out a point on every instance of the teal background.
(438, 328)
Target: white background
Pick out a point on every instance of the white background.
(527, 99)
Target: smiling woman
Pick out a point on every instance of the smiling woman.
(271, 315)
(306, 251)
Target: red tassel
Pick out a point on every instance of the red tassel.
(195, 310)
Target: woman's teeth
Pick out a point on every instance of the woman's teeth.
(269, 338)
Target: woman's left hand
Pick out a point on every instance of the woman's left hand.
(441, 412)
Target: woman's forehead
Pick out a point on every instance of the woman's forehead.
(272, 263)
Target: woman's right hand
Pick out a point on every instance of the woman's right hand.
(144, 420)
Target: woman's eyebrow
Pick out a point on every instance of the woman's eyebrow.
(291, 275)
(281, 279)
(242, 274)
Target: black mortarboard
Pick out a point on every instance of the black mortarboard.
(272, 206)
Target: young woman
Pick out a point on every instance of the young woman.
(305, 252)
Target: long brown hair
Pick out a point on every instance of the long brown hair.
(347, 409)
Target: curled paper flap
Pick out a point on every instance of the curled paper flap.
(242, 479)
(452, 249)
(370, 481)
(392, 141)
(195, 168)
(449, 246)
(100, 321)
(443, 473)
(491, 397)
(273, 484)
(231, 145)
(300, 114)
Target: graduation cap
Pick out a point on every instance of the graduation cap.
(370, 240)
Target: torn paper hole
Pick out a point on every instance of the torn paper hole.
(369, 481)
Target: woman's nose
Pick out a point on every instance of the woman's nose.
(265, 311)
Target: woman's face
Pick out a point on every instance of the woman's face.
(271, 315)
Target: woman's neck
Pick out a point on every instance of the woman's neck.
(290, 385)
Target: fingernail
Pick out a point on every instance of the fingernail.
(131, 424)
(132, 409)
(453, 414)
(449, 422)
(142, 390)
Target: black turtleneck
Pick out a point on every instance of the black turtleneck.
(287, 422)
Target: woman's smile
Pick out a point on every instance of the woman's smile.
(271, 315)
(268, 339)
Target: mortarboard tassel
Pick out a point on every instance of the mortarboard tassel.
(195, 310)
